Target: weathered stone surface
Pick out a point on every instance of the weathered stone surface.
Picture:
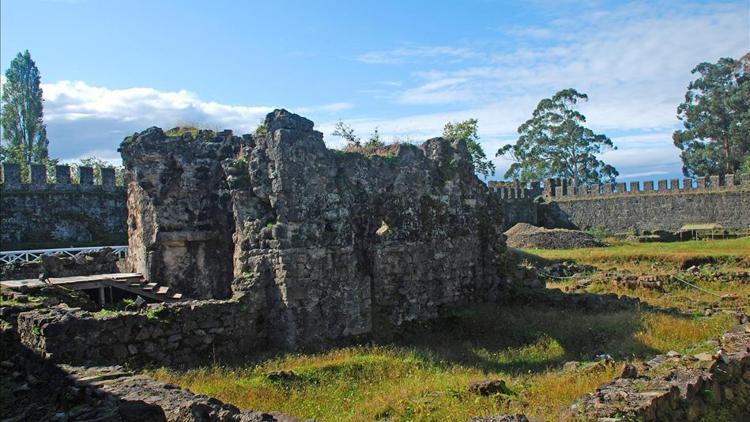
(49, 392)
(524, 235)
(642, 212)
(684, 390)
(488, 387)
(341, 244)
(185, 333)
(41, 213)
(179, 216)
(139, 395)
(628, 370)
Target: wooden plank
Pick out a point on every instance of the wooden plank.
(129, 282)
(137, 291)
(72, 282)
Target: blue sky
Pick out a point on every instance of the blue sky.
(110, 68)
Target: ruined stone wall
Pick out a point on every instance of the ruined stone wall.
(723, 200)
(706, 386)
(187, 333)
(342, 244)
(41, 214)
(179, 220)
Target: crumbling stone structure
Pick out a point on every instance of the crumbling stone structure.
(97, 214)
(705, 386)
(185, 333)
(338, 244)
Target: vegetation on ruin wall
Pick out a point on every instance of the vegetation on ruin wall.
(427, 378)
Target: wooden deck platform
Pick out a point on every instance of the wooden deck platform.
(129, 282)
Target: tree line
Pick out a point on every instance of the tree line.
(553, 142)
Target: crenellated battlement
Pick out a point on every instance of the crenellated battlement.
(619, 207)
(10, 179)
(564, 189)
(39, 214)
(516, 190)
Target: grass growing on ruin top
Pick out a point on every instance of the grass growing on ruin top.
(425, 376)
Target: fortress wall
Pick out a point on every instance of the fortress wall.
(664, 205)
(180, 221)
(517, 201)
(40, 214)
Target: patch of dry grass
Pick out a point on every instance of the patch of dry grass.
(426, 376)
(657, 252)
(731, 256)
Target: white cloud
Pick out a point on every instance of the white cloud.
(75, 100)
(84, 120)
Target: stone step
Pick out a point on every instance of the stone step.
(150, 287)
(101, 378)
(177, 296)
(162, 290)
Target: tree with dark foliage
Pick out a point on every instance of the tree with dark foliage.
(24, 133)
(554, 143)
(716, 116)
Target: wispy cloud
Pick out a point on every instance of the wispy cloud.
(624, 56)
(418, 52)
(634, 61)
(328, 108)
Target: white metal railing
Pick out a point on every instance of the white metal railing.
(34, 255)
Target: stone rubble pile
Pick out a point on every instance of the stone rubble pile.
(524, 235)
(678, 388)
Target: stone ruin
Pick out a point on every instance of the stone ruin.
(286, 244)
(328, 244)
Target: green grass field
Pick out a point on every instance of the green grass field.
(425, 376)
(731, 256)
(670, 252)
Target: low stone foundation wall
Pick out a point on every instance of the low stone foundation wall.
(704, 386)
(184, 333)
(152, 400)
